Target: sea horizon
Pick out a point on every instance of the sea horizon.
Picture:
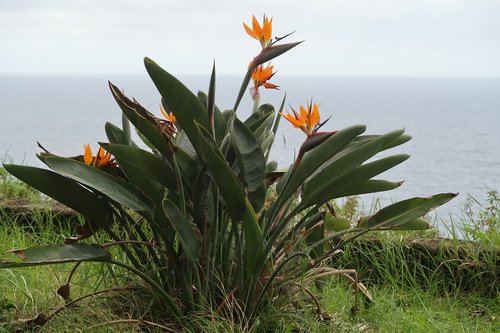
(454, 121)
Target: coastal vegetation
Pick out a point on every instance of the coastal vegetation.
(197, 228)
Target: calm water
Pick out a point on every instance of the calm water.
(455, 122)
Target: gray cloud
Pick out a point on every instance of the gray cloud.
(356, 37)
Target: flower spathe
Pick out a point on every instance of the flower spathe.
(101, 160)
(307, 119)
(261, 33)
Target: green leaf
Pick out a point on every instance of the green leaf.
(254, 243)
(189, 238)
(149, 164)
(113, 187)
(404, 211)
(143, 121)
(142, 170)
(229, 185)
(346, 161)
(316, 157)
(274, 130)
(211, 101)
(336, 224)
(238, 206)
(116, 135)
(126, 130)
(200, 198)
(55, 254)
(263, 130)
(251, 163)
(188, 166)
(337, 178)
(416, 224)
(183, 103)
(267, 143)
(66, 191)
(257, 119)
(314, 236)
(220, 121)
(368, 186)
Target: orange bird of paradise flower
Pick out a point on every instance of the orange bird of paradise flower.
(102, 158)
(170, 117)
(261, 33)
(307, 119)
(260, 78)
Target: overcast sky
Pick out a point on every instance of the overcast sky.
(343, 37)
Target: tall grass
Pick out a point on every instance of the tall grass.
(454, 289)
(10, 188)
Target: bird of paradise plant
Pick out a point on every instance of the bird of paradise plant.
(190, 212)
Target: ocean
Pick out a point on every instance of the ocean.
(454, 122)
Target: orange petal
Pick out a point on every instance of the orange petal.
(163, 112)
(87, 155)
(269, 85)
(256, 74)
(256, 27)
(172, 118)
(268, 29)
(104, 161)
(250, 31)
(102, 152)
(267, 73)
(303, 112)
(295, 122)
(315, 116)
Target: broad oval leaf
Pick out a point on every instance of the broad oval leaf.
(116, 135)
(148, 163)
(315, 158)
(404, 211)
(416, 224)
(183, 103)
(66, 191)
(220, 121)
(229, 185)
(189, 238)
(113, 187)
(369, 186)
(56, 254)
(254, 243)
(337, 178)
(251, 163)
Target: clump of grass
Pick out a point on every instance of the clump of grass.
(481, 221)
(11, 188)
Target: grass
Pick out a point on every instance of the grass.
(410, 309)
(12, 188)
(451, 290)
